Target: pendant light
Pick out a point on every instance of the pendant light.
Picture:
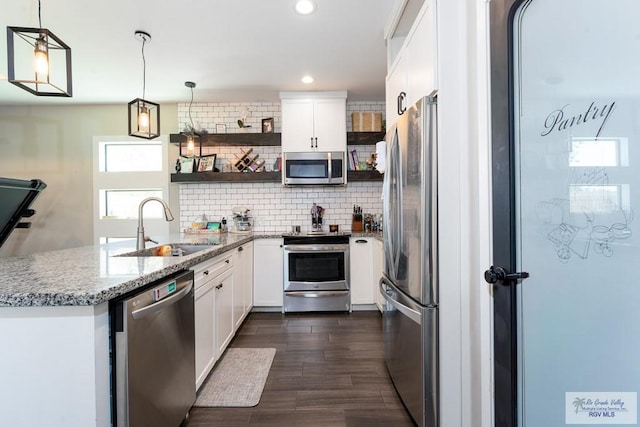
(144, 116)
(41, 63)
(193, 137)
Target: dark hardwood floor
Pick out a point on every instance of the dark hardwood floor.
(328, 371)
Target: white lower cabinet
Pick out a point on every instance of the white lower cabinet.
(361, 269)
(212, 311)
(242, 283)
(205, 330)
(379, 268)
(224, 311)
(268, 276)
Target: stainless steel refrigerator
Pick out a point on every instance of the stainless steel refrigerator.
(410, 280)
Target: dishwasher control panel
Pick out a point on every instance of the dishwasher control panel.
(164, 290)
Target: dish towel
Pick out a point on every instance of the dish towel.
(381, 156)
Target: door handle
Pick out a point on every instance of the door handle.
(311, 142)
(495, 274)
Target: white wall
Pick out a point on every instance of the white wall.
(465, 222)
(54, 143)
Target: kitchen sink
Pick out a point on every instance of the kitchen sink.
(177, 249)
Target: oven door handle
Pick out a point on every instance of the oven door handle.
(306, 294)
(313, 248)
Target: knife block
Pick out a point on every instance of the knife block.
(356, 222)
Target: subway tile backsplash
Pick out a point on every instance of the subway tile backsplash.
(274, 208)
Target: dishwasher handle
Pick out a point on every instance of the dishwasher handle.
(159, 305)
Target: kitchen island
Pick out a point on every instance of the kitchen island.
(54, 325)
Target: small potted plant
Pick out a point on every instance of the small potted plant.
(242, 122)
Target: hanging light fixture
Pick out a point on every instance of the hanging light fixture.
(193, 137)
(42, 65)
(144, 116)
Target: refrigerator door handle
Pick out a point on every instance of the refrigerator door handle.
(387, 290)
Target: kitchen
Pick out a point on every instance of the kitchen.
(53, 141)
(67, 159)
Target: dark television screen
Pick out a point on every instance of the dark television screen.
(16, 195)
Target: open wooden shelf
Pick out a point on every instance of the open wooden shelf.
(364, 138)
(231, 139)
(227, 177)
(368, 175)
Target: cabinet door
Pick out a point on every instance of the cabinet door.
(396, 84)
(268, 277)
(204, 318)
(361, 270)
(242, 283)
(329, 124)
(379, 263)
(297, 125)
(421, 55)
(223, 286)
(247, 268)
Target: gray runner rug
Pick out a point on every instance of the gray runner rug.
(238, 379)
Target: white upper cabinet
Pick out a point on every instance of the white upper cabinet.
(412, 69)
(314, 121)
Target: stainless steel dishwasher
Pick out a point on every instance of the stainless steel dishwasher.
(153, 354)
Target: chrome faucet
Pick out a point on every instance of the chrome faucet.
(141, 238)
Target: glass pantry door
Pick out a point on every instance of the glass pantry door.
(576, 68)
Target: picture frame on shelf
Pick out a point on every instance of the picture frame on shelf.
(207, 164)
(267, 125)
(187, 164)
(221, 128)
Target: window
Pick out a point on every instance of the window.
(125, 173)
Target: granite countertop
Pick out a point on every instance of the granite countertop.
(91, 275)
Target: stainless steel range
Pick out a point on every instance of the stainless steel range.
(316, 272)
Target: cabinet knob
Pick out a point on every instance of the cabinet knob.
(240, 249)
(227, 261)
(219, 286)
(206, 272)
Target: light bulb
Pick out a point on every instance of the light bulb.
(190, 145)
(143, 119)
(41, 63)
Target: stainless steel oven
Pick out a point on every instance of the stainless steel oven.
(316, 273)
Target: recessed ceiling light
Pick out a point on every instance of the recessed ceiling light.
(305, 7)
(307, 79)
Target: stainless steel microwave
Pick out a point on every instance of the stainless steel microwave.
(314, 168)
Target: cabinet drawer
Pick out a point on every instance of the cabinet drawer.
(210, 269)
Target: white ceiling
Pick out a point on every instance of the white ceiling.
(235, 50)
